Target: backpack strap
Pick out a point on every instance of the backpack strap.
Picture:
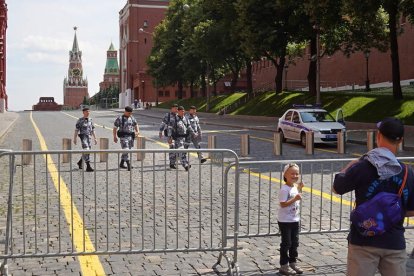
(404, 180)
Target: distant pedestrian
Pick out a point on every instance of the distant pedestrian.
(182, 130)
(85, 128)
(288, 219)
(378, 171)
(135, 103)
(195, 124)
(166, 129)
(126, 128)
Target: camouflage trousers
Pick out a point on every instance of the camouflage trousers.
(86, 145)
(196, 143)
(126, 143)
(179, 143)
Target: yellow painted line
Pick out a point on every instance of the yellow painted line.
(90, 265)
(316, 192)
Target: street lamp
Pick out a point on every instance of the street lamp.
(318, 65)
(286, 72)
(366, 54)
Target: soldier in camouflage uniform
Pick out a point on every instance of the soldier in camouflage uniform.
(195, 124)
(126, 128)
(166, 129)
(84, 128)
(181, 131)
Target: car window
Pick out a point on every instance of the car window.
(288, 116)
(296, 119)
(316, 116)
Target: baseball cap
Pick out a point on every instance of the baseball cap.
(392, 128)
(193, 107)
(181, 107)
(128, 109)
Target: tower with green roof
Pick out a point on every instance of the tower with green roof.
(111, 73)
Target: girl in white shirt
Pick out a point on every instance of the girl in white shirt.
(288, 220)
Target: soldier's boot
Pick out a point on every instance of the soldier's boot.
(187, 167)
(173, 166)
(80, 164)
(203, 160)
(128, 165)
(88, 167)
(122, 165)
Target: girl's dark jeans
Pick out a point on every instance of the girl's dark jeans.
(290, 242)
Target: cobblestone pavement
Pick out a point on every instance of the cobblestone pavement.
(149, 195)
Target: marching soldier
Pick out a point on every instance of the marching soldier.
(195, 124)
(126, 128)
(84, 128)
(181, 131)
(166, 128)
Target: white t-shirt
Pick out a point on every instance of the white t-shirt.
(291, 212)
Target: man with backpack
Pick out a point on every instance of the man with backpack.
(166, 129)
(378, 243)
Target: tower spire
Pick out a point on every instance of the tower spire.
(75, 47)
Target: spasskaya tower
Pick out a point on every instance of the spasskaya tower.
(75, 87)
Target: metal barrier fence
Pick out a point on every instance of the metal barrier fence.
(55, 209)
(321, 211)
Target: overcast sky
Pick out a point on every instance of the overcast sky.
(39, 37)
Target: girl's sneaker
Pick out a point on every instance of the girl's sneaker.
(286, 270)
(296, 268)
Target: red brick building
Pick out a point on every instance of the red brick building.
(3, 27)
(111, 74)
(47, 104)
(75, 87)
(336, 70)
(135, 47)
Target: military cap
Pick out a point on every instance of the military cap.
(85, 109)
(193, 107)
(181, 107)
(128, 109)
(174, 105)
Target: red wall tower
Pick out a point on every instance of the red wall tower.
(3, 27)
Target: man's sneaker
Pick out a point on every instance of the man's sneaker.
(296, 268)
(172, 166)
(203, 160)
(186, 167)
(286, 270)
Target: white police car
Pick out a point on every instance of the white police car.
(303, 118)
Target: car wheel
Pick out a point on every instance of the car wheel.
(303, 139)
(282, 136)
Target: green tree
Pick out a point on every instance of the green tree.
(394, 9)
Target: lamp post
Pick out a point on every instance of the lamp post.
(207, 89)
(318, 65)
(286, 72)
(366, 54)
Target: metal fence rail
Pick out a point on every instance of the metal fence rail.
(55, 209)
(321, 210)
